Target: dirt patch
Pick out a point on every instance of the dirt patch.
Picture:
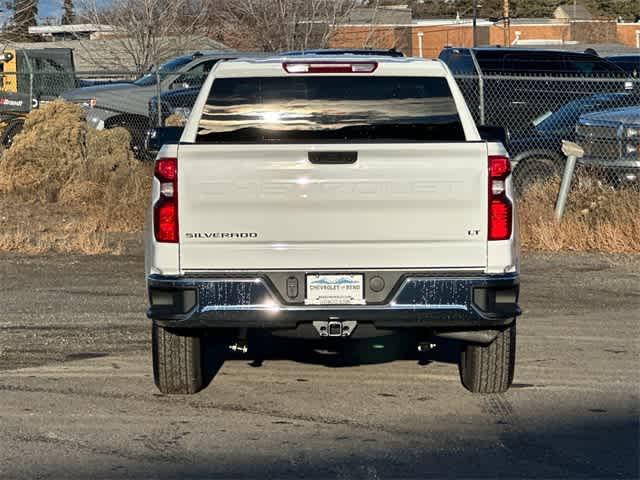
(65, 186)
(598, 218)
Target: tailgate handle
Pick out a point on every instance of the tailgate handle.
(333, 158)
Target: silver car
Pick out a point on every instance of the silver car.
(126, 104)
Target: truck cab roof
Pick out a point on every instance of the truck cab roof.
(392, 52)
(275, 66)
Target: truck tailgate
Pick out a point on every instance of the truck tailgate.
(258, 207)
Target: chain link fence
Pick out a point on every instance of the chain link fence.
(108, 99)
(538, 112)
(600, 114)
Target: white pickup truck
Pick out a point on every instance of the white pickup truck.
(332, 199)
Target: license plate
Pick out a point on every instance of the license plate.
(334, 290)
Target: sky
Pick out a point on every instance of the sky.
(49, 8)
(46, 9)
(53, 8)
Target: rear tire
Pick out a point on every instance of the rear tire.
(177, 361)
(489, 368)
(15, 127)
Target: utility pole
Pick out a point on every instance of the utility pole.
(506, 23)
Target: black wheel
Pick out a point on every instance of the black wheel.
(14, 128)
(177, 361)
(489, 368)
(527, 172)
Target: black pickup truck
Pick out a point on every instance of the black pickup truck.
(536, 154)
(519, 84)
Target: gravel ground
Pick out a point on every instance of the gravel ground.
(77, 398)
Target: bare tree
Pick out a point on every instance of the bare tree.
(143, 32)
(24, 16)
(68, 15)
(274, 25)
(371, 36)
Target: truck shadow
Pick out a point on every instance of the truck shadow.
(573, 448)
(333, 353)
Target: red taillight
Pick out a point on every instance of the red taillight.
(330, 67)
(166, 169)
(499, 167)
(499, 219)
(500, 208)
(166, 221)
(165, 211)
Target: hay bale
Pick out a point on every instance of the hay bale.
(57, 152)
(51, 148)
(68, 179)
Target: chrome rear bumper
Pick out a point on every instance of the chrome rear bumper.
(417, 300)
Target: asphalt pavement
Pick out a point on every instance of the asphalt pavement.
(77, 399)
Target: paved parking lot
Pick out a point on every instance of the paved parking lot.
(77, 398)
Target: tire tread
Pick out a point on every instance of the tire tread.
(177, 362)
(489, 368)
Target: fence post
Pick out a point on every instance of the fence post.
(573, 151)
(481, 102)
(480, 87)
(158, 102)
(28, 62)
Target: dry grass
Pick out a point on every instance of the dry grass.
(65, 186)
(597, 218)
(88, 243)
(175, 120)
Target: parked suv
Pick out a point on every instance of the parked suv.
(510, 61)
(629, 63)
(331, 200)
(518, 85)
(126, 104)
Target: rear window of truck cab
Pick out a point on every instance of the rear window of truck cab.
(302, 109)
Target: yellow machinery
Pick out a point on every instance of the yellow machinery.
(28, 78)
